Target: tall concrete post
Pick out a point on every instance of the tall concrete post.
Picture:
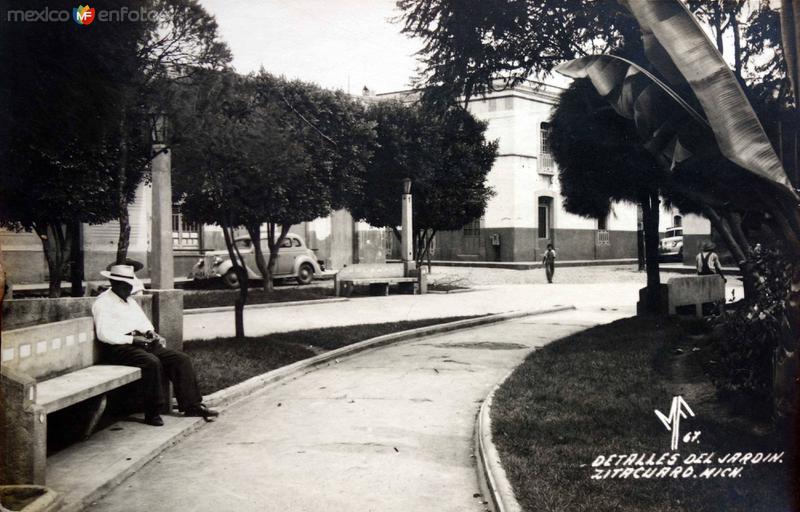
(167, 301)
(162, 273)
(407, 231)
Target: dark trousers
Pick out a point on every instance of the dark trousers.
(157, 364)
(550, 269)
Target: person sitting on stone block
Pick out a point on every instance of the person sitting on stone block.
(129, 338)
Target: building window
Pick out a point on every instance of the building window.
(545, 157)
(473, 228)
(492, 105)
(544, 221)
(677, 221)
(602, 223)
(185, 235)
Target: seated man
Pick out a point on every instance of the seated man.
(128, 338)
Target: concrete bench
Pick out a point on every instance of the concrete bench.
(44, 369)
(378, 277)
(694, 291)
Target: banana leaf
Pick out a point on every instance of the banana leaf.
(671, 129)
(680, 51)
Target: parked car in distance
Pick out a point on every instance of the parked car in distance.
(294, 260)
(671, 246)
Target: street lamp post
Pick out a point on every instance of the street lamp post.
(162, 268)
(167, 301)
(407, 228)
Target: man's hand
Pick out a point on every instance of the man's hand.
(140, 341)
(156, 339)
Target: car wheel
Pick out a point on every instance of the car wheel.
(305, 274)
(230, 279)
(680, 254)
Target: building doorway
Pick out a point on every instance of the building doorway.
(544, 231)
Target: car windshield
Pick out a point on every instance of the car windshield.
(674, 232)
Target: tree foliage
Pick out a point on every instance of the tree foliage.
(78, 98)
(59, 117)
(468, 45)
(447, 158)
(258, 151)
(474, 47)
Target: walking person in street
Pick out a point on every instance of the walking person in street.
(129, 338)
(549, 262)
(708, 261)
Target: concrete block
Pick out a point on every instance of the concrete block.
(694, 291)
(23, 431)
(20, 313)
(168, 316)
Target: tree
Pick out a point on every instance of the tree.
(723, 160)
(468, 45)
(79, 145)
(243, 160)
(226, 160)
(59, 119)
(178, 39)
(583, 126)
(471, 47)
(334, 133)
(447, 158)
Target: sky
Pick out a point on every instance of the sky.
(338, 44)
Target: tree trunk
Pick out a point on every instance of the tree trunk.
(737, 46)
(650, 220)
(746, 265)
(241, 275)
(254, 230)
(274, 247)
(76, 258)
(53, 246)
(717, 23)
(123, 242)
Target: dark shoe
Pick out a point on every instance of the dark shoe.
(201, 411)
(154, 420)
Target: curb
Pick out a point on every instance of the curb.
(218, 309)
(227, 396)
(492, 477)
(530, 265)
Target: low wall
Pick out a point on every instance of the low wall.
(26, 312)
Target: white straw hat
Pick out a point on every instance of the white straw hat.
(124, 273)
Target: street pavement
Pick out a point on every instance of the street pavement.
(389, 429)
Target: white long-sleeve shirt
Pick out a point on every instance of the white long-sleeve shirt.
(114, 318)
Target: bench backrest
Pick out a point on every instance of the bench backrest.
(50, 349)
(370, 270)
(684, 291)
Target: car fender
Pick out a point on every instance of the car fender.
(226, 265)
(299, 260)
(223, 267)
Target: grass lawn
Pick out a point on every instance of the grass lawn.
(215, 298)
(594, 393)
(223, 362)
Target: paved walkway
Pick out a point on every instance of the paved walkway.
(389, 429)
(478, 301)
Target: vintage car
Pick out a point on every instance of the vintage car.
(671, 246)
(295, 260)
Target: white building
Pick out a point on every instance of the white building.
(527, 213)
